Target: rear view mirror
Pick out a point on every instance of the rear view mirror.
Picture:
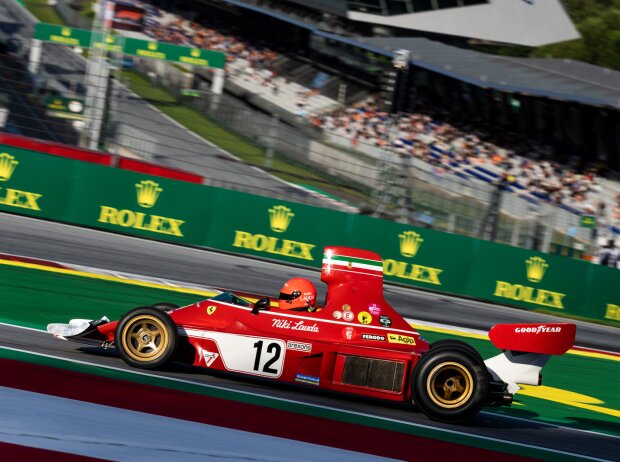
(261, 305)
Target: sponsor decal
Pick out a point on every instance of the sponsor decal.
(385, 321)
(374, 309)
(613, 312)
(210, 357)
(349, 333)
(294, 325)
(348, 316)
(337, 314)
(535, 268)
(15, 197)
(397, 338)
(148, 193)
(410, 243)
(211, 309)
(377, 337)
(346, 307)
(307, 379)
(364, 317)
(537, 330)
(299, 346)
(535, 271)
(280, 218)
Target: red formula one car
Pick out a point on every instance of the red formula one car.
(356, 344)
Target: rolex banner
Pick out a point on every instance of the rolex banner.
(35, 184)
(134, 203)
(66, 190)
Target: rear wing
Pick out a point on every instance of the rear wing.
(527, 348)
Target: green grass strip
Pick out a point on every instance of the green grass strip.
(43, 11)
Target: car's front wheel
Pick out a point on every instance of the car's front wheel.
(146, 338)
(449, 384)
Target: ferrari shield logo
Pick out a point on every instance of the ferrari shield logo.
(211, 309)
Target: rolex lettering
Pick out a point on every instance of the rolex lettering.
(147, 194)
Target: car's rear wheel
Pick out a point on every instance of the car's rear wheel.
(146, 337)
(449, 384)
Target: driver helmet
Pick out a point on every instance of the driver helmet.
(297, 293)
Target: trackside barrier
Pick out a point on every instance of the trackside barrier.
(87, 155)
(93, 195)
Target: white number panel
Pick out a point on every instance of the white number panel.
(250, 355)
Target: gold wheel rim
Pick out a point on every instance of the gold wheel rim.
(449, 385)
(145, 338)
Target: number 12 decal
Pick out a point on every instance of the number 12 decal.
(272, 348)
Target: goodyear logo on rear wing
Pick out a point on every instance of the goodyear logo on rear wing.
(403, 339)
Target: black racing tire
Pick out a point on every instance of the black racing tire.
(164, 306)
(146, 337)
(449, 384)
(458, 344)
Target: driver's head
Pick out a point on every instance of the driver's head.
(297, 293)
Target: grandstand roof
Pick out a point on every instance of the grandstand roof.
(552, 78)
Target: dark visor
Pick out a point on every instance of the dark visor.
(290, 297)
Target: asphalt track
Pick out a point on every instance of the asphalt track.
(52, 241)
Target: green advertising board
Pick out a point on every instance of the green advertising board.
(527, 279)
(62, 35)
(64, 108)
(149, 206)
(272, 228)
(92, 195)
(177, 53)
(587, 221)
(35, 184)
(143, 48)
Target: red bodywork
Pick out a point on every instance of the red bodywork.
(354, 353)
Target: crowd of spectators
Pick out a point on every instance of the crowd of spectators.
(433, 136)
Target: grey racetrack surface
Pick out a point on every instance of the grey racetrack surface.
(69, 244)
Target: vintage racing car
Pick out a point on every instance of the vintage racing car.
(356, 344)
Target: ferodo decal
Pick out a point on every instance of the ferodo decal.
(377, 337)
(404, 339)
(299, 346)
(211, 309)
(364, 317)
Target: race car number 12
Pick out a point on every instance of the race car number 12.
(272, 348)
